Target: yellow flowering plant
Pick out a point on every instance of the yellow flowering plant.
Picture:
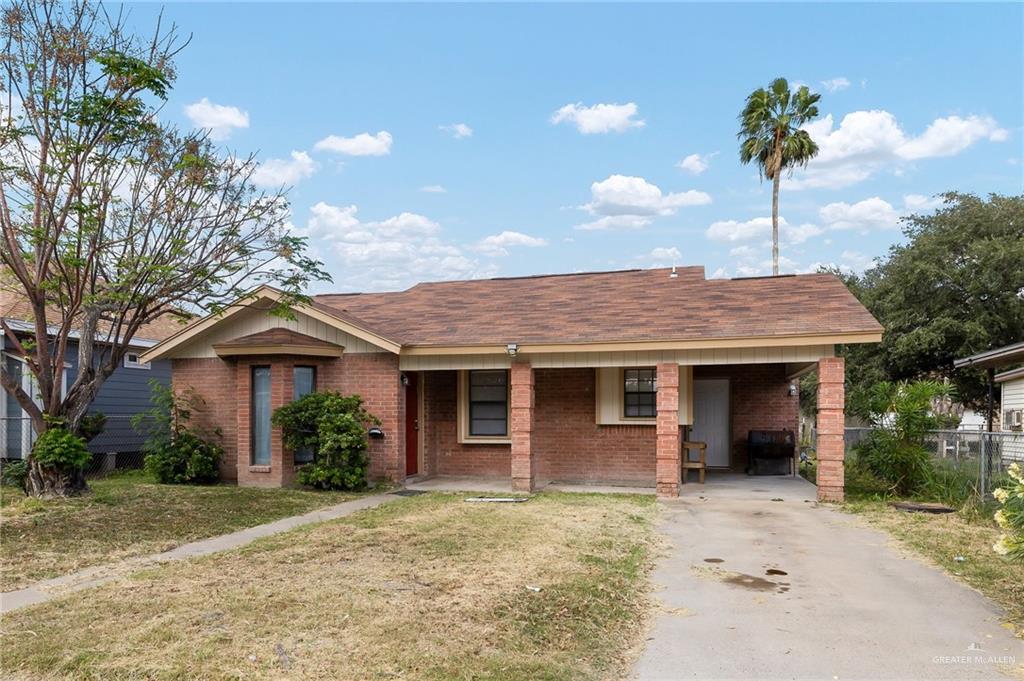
(1010, 517)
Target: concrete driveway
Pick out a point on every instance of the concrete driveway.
(759, 582)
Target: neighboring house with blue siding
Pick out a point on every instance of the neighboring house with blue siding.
(125, 393)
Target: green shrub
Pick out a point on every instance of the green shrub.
(60, 450)
(14, 473)
(901, 414)
(1011, 516)
(334, 427)
(184, 459)
(176, 452)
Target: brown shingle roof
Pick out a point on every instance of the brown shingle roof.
(630, 305)
(278, 336)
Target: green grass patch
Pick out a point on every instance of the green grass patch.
(554, 588)
(128, 515)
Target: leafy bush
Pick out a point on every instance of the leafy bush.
(92, 425)
(185, 458)
(900, 415)
(14, 473)
(176, 451)
(60, 450)
(1011, 516)
(334, 427)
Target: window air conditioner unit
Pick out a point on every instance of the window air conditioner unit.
(1016, 418)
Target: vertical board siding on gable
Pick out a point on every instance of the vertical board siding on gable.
(254, 321)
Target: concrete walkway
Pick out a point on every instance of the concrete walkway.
(760, 582)
(101, 574)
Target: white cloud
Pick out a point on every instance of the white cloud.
(280, 171)
(665, 256)
(615, 222)
(733, 231)
(498, 244)
(695, 164)
(363, 144)
(835, 84)
(219, 119)
(868, 141)
(600, 118)
(386, 254)
(873, 213)
(949, 136)
(457, 130)
(626, 195)
(854, 260)
(623, 202)
(918, 203)
(433, 189)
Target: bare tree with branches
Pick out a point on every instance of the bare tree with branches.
(110, 218)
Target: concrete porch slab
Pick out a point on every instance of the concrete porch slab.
(451, 483)
(759, 487)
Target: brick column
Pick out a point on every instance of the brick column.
(667, 462)
(831, 421)
(521, 380)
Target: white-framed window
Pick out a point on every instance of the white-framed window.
(484, 406)
(639, 393)
(133, 360)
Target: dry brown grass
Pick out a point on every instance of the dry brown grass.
(941, 538)
(425, 587)
(129, 515)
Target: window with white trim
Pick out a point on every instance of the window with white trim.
(488, 403)
(640, 393)
(133, 360)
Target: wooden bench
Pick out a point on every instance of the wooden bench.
(700, 465)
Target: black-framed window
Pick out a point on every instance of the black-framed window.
(640, 390)
(260, 416)
(488, 403)
(303, 383)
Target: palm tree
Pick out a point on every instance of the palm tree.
(770, 135)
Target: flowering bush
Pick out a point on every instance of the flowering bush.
(1011, 516)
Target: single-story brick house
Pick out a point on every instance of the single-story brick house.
(563, 378)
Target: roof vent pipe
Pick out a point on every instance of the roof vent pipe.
(673, 274)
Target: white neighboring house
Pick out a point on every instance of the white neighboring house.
(1011, 384)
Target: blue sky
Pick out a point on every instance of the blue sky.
(429, 142)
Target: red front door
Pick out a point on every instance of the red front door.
(412, 425)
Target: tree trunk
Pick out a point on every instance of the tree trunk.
(775, 224)
(48, 483)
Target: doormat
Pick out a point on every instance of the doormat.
(409, 492)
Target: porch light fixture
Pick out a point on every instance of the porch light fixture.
(793, 389)
(512, 349)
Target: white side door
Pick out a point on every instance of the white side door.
(711, 419)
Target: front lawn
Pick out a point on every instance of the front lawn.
(426, 587)
(127, 515)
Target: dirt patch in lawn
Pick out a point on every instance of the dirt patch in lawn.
(425, 587)
(127, 515)
(961, 546)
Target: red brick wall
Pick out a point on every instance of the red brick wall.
(214, 380)
(375, 378)
(571, 447)
(443, 454)
(759, 396)
(224, 385)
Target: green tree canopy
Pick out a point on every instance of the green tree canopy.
(955, 288)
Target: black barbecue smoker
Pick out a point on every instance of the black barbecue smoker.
(771, 452)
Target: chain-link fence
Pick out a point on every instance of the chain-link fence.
(982, 456)
(117, 447)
